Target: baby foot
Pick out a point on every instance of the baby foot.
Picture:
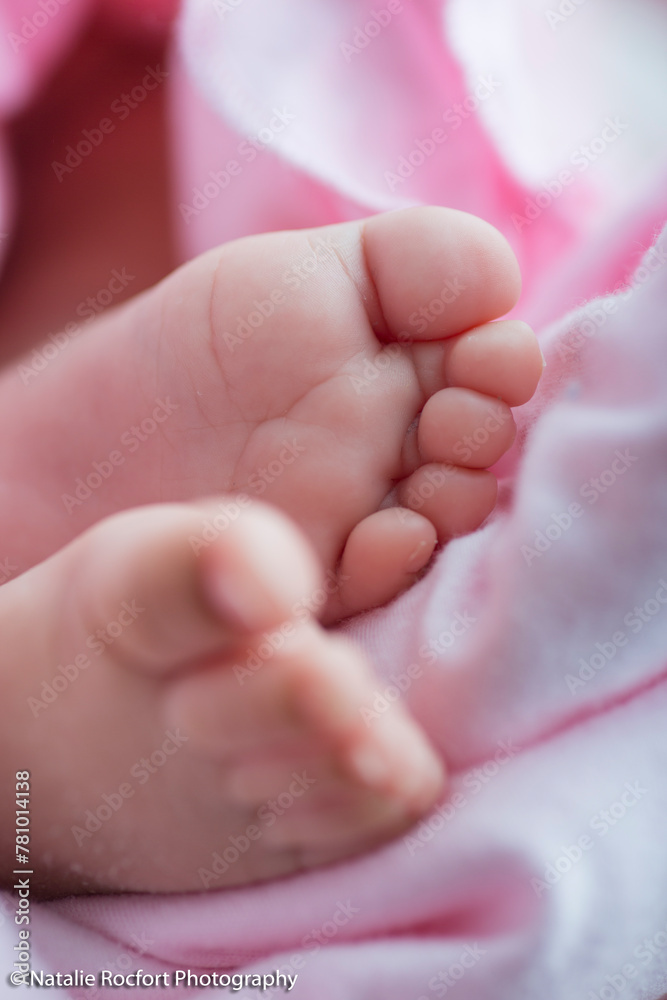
(178, 772)
(326, 371)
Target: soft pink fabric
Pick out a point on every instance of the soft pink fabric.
(32, 38)
(356, 120)
(516, 628)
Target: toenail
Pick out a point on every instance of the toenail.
(415, 560)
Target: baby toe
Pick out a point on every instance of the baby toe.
(500, 359)
(382, 557)
(466, 428)
(439, 271)
(455, 500)
(188, 588)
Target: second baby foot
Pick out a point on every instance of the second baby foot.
(163, 753)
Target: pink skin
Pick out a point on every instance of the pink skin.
(176, 671)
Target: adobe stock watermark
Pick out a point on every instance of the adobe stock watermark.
(293, 278)
(591, 491)
(32, 24)
(597, 313)
(433, 478)
(247, 152)
(370, 371)
(266, 816)
(97, 643)
(224, 7)
(271, 642)
(563, 12)
(140, 773)
(228, 511)
(454, 117)
(601, 824)
(88, 309)
(581, 158)
(317, 938)
(364, 34)
(467, 445)
(635, 621)
(420, 320)
(473, 781)
(121, 108)
(130, 442)
(401, 681)
(645, 954)
(446, 979)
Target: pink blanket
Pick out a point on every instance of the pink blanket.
(535, 651)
